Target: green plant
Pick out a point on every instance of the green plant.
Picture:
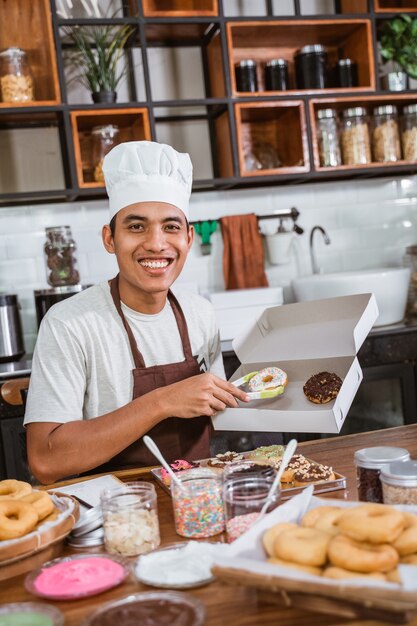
(94, 60)
(399, 43)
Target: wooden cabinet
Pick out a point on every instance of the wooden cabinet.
(224, 129)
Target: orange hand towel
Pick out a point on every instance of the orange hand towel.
(243, 255)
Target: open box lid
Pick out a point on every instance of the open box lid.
(308, 330)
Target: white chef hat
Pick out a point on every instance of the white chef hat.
(146, 171)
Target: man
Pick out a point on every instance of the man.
(125, 357)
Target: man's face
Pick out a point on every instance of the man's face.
(151, 243)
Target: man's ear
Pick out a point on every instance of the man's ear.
(107, 239)
(190, 236)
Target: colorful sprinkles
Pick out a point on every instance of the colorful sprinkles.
(198, 507)
(238, 525)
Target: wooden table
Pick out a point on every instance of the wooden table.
(239, 606)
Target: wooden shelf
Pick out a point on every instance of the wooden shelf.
(179, 8)
(394, 6)
(354, 6)
(28, 25)
(133, 126)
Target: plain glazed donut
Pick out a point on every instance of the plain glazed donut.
(357, 556)
(338, 573)
(272, 533)
(411, 559)
(376, 523)
(306, 546)
(327, 522)
(406, 543)
(268, 378)
(11, 489)
(17, 518)
(310, 518)
(309, 569)
(41, 502)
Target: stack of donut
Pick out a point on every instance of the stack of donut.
(365, 541)
(22, 508)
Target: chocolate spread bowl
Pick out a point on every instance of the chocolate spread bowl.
(163, 608)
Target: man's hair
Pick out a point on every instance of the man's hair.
(113, 225)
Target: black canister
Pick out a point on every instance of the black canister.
(276, 75)
(346, 73)
(245, 72)
(311, 67)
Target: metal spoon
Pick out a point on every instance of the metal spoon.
(289, 451)
(152, 447)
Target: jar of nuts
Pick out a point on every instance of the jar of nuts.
(16, 84)
(356, 147)
(385, 134)
(104, 138)
(399, 483)
(409, 132)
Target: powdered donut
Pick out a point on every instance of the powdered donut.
(306, 546)
(360, 556)
(268, 378)
(376, 523)
(338, 573)
(11, 489)
(309, 569)
(272, 533)
(16, 519)
(41, 502)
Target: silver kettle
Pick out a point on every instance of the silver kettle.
(11, 336)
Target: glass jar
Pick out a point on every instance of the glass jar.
(399, 483)
(346, 73)
(369, 462)
(60, 260)
(130, 519)
(243, 499)
(409, 132)
(411, 262)
(16, 84)
(311, 67)
(245, 73)
(198, 505)
(328, 138)
(104, 138)
(356, 146)
(247, 468)
(385, 134)
(276, 75)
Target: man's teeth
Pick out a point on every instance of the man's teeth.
(154, 264)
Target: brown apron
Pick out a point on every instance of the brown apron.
(176, 438)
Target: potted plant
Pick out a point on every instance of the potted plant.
(399, 45)
(96, 59)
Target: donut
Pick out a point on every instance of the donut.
(51, 517)
(322, 387)
(394, 576)
(328, 521)
(297, 462)
(376, 523)
(220, 461)
(410, 559)
(406, 543)
(310, 518)
(269, 454)
(11, 488)
(41, 502)
(315, 473)
(309, 569)
(268, 378)
(306, 546)
(17, 518)
(357, 556)
(338, 573)
(272, 533)
(180, 465)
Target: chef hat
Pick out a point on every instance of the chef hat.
(146, 171)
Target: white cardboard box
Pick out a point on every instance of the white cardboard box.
(302, 339)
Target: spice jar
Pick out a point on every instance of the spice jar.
(245, 72)
(411, 262)
(399, 483)
(328, 138)
(409, 132)
(346, 73)
(356, 147)
(60, 260)
(130, 519)
(198, 505)
(104, 139)
(311, 67)
(385, 134)
(369, 462)
(16, 84)
(276, 75)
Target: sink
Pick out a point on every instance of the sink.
(389, 284)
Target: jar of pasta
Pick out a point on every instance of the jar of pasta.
(409, 132)
(356, 145)
(15, 78)
(385, 134)
(328, 138)
(104, 139)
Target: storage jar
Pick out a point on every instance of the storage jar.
(369, 463)
(276, 75)
(328, 138)
(198, 504)
(104, 139)
(346, 73)
(245, 72)
(385, 134)
(355, 142)
(15, 78)
(409, 132)
(311, 67)
(399, 483)
(61, 264)
(130, 519)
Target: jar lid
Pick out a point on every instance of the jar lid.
(344, 62)
(403, 474)
(276, 63)
(246, 63)
(410, 108)
(386, 109)
(355, 112)
(373, 458)
(13, 52)
(326, 114)
(89, 520)
(315, 48)
(89, 540)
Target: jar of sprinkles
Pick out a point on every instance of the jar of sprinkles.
(399, 483)
(198, 505)
(369, 463)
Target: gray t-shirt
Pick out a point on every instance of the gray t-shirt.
(82, 364)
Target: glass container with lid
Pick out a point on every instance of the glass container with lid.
(369, 463)
(346, 73)
(311, 67)
(328, 138)
(355, 142)
(409, 132)
(16, 84)
(411, 262)
(198, 504)
(245, 73)
(276, 75)
(104, 139)
(385, 134)
(399, 483)
(61, 264)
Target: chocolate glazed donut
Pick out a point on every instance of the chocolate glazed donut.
(322, 387)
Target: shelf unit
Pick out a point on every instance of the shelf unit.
(229, 123)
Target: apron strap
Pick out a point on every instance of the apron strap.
(182, 326)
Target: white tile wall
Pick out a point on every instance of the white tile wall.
(370, 223)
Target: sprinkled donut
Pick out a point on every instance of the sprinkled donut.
(268, 378)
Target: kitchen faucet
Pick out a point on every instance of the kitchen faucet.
(326, 238)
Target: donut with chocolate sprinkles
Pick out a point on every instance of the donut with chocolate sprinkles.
(322, 387)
